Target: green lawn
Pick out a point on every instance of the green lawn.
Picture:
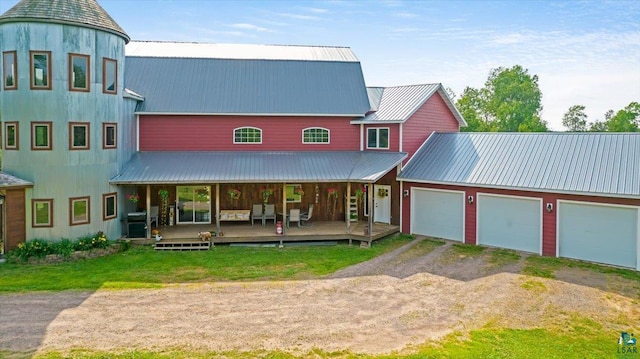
(141, 267)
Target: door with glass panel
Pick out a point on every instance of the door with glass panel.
(193, 204)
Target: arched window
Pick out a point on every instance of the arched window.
(315, 135)
(247, 135)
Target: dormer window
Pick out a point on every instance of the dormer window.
(247, 135)
(40, 64)
(79, 74)
(9, 70)
(315, 135)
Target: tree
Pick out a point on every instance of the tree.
(510, 101)
(625, 120)
(575, 119)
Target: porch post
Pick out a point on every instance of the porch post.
(217, 208)
(284, 210)
(371, 211)
(347, 208)
(148, 209)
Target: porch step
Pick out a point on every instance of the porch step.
(182, 246)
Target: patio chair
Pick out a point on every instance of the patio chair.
(153, 214)
(306, 217)
(269, 213)
(294, 216)
(257, 213)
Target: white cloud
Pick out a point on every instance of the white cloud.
(244, 26)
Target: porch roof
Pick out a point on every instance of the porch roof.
(257, 167)
(9, 181)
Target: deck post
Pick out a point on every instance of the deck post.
(284, 212)
(371, 211)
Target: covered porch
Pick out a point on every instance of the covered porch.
(220, 192)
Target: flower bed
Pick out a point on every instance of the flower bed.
(43, 251)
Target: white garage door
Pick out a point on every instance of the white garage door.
(598, 233)
(510, 222)
(438, 213)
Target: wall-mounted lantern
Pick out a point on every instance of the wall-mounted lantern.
(405, 193)
(549, 207)
(470, 199)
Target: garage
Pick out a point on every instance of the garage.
(510, 222)
(601, 233)
(438, 213)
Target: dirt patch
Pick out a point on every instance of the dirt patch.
(417, 293)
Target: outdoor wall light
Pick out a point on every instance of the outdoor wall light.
(549, 207)
(405, 193)
(470, 199)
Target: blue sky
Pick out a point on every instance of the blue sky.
(584, 52)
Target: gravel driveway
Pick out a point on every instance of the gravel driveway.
(386, 304)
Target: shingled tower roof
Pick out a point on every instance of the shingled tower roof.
(87, 13)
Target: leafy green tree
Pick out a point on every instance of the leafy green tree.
(510, 101)
(575, 119)
(627, 119)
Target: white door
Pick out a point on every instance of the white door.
(437, 213)
(382, 203)
(510, 222)
(598, 233)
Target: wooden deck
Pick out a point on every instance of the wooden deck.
(244, 232)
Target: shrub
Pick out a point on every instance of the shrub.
(38, 248)
(64, 247)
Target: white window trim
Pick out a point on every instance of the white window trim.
(317, 143)
(72, 201)
(49, 126)
(86, 125)
(378, 137)
(33, 212)
(247, 143)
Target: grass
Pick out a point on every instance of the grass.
(545, 267)
(142, 267)
(581, 341)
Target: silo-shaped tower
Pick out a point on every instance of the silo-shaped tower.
(61, 104)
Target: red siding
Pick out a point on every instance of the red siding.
(209, 133)
(434, 115)
(549, 219)
(394, 140)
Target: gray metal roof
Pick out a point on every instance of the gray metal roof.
(259, 87)
(87, 13)
(606, 164)
(7, 181)
(257, 167)
(239, 51)
(397, 104)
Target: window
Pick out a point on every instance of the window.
(79, 211)
(109, 135)
(109, 76)
(11, 136)
(109, 206)
(378, 138)
(79, 74)
(41, 136)
(315, 135)
(40, 64)
(294, 193)
(247, 135)
(79, 136)
(42, 213)
(9, 70)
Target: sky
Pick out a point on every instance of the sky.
(583, 52)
